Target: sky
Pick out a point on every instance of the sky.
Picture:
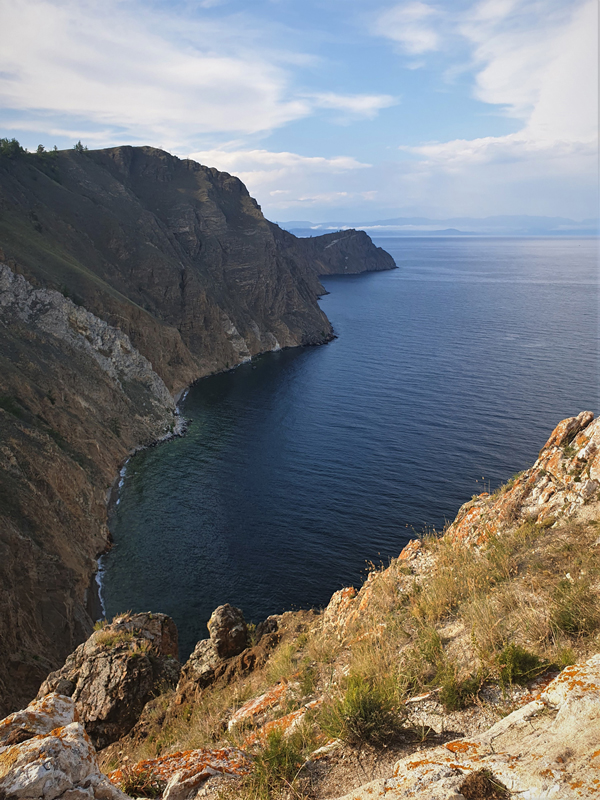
(326, 109)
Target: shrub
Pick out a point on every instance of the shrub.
(276, 766)
(483, 785)
(457, 693)
(366, 713)
(574, 608)
(518, 665)
(137, 782)
(108, 638)
(10, 148)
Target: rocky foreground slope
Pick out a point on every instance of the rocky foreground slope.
(125, 275)
(467, 669)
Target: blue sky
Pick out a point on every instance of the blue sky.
(350, 110)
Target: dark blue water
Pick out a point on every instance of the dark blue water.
(298, 468)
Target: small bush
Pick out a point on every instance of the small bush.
(457, 693)
(141, 782)
(518, 665)
(366, 713)
(483, 785)
(276, 767)
(108, 639)
(575, 608)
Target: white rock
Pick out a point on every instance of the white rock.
(547, 750)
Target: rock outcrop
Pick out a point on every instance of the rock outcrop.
(45, 753)
(228, 630)
(565, 476)
(548, 748)
(181, 775)
(128, 274)
(226, 655)
(112, 675)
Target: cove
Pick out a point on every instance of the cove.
(447, 376)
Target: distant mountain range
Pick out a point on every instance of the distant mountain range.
(514, 225)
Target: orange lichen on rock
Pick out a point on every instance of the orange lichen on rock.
(258, 705)
(285, 724)
(461, 746)
(565, 476)
(188, 764)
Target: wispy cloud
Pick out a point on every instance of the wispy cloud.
(130, 72)
(358, 105)
(410, 25)
(536, 62)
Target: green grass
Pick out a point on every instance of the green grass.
(367, 713)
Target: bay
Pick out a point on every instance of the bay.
(298, 469)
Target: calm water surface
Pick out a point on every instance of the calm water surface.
(448, 373)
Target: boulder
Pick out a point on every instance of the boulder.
(228, 631)
(116, 671)
(45, 753)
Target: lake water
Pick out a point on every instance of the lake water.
(448, 376)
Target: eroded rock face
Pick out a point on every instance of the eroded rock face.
(116, 671)
(76, 398)
(228, 630)
(548, 748)
(226, 655)
(45, 753)
(565, 476)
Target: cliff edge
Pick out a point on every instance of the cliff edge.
(468, 669)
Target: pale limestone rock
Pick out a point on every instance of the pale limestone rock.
(40, 717)
(547, 750)
(57, 760)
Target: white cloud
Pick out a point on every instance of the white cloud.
(538, 62)
(359, 105)
(307, 179)
(542, 67)
(129, 73)
(408, 24)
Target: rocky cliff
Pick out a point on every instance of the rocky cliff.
(175, 254)
(468, 669)
(125, 275)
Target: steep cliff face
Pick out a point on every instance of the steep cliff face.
(75, 398)
(166, 271)
(177, 255)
